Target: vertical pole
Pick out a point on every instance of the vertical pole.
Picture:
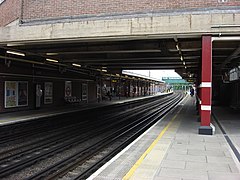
(119, 88)
(206, 86)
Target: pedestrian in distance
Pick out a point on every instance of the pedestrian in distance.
(192, 92)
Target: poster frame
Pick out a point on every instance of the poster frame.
(48, 97)
(68, 89)
(85, 92)
(16, 94)
(18, 82)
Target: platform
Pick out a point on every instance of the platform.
(230, 122)
(20, 116)
(173, 150)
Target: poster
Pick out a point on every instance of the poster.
(68, 88)
(48, 93)
(10, 94)
(22, 93)
(16, 94)
(84, 92)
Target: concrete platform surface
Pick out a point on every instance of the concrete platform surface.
(173, 150)
(230, 121)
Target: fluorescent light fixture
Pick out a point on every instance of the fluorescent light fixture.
(51, 54)
(104, 70)
(52, 60)
(14, 44)
(16, 53)
(181, 58)
(185, 67)
(117, 74)
(77, 65)
(104, 67)
(184, 63)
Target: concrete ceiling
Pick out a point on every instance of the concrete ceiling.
(181, 54)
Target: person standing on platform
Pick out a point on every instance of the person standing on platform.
(192, 92)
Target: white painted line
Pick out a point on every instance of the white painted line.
(206, 108)
(206, 84)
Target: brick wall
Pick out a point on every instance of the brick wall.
(9, 11)
(41, 9)
(37, 9)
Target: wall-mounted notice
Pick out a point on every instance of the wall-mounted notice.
(68, 88)
(10, 94)
(84, 92)
(48, 93)
(16, 93)
(22, 93)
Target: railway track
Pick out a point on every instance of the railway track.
(93, 146)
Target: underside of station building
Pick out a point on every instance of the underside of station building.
(202, 44)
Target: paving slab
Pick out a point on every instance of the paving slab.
(215, 159)
(223, 176)
(173, 164)
(182, 157)
(183, 173)
(216, 167)
(196, 152)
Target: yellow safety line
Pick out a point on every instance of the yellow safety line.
(140, 160)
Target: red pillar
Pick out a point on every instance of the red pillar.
(206, 86)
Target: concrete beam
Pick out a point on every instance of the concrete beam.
(231, 57)
(164, 26)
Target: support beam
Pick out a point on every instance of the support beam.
(206, 86)
(231, 57)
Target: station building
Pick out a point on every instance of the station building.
(58, 49)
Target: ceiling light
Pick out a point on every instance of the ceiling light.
(16, 53)
(117, 74)
(52, 60)
(15, 44)
(51, 54)
(77, 65)
(104, 70)
(104, 67)
(184, 63)
(185, 67)
(181, 58)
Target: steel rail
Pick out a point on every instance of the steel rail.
(10, 169)
(75, 127)
(68, 164)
